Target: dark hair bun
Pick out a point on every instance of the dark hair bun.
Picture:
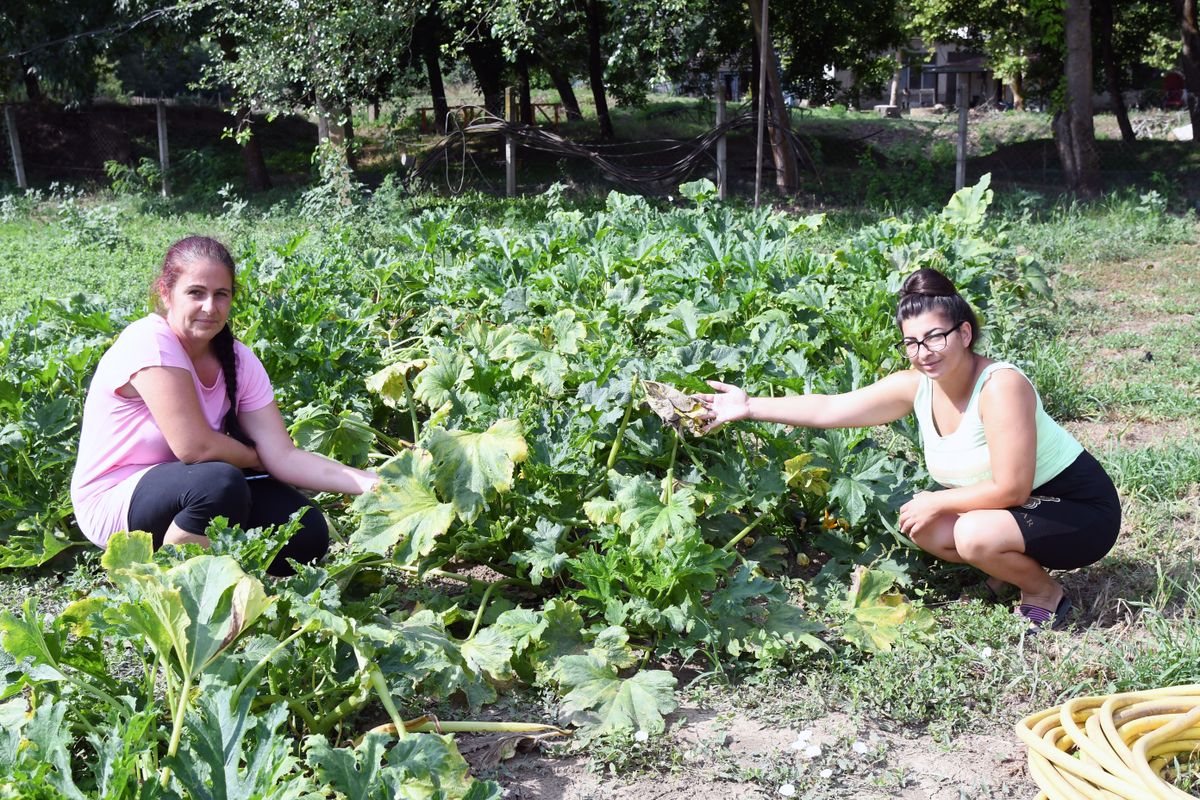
(928, 282)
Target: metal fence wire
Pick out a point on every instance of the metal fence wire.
(73, 145)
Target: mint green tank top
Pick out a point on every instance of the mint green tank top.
(962, 459)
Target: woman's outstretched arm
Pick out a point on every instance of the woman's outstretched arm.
(288, 463)
(884, 401)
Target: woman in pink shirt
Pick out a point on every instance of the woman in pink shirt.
(179, 412)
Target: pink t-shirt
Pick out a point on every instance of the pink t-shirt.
(120, 440)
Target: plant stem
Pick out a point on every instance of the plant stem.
(412, 411)
(744, 532)
(262, 662)
(487, 595)
(427, 725)
(616, 445)
(396, 444)
(385, 697)
(177, 726)
(87, 688)
(348, 706)
(671, 468)
(296, 707)
(438, 573)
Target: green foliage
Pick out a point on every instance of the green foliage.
(502, 361)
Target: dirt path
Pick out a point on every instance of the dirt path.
(741, 758)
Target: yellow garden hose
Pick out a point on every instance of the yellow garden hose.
(1112, 747)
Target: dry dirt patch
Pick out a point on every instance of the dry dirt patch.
(988, 763)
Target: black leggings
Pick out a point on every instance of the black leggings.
(190, 495)
(1071, 520)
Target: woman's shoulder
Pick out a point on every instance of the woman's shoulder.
(1004, 380)
(140, 333)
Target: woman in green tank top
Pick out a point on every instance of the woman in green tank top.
(1019, 495)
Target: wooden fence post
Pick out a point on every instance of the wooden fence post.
(164, 156)
(722, 169)
(510, 148)
(760, 97)
(960, 166)
(14, 142)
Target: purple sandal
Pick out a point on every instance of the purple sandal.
(1041, 617)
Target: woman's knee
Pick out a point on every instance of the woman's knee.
(937, 537)
(219, 489)
(974, 538)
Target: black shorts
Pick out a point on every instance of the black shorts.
(190, 495)
(1071, 520)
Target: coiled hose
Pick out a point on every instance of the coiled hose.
(1113, 747)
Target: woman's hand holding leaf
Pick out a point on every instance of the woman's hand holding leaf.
(727, 404)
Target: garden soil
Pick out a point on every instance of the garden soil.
(709, 752)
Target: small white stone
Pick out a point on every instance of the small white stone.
(787, 790)
(812, 751)
(859, 747)
(985, 652)
(802, 738)
(826, 773)
(641, 736)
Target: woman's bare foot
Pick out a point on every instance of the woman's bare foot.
(1048, 600)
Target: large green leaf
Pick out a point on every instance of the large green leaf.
(23, 638)
(35, 751)
(470, 467)
(543, 558)
(403, 511)
(25, 549)
(967, 207)
(392, 382)
(189, 613)
(422, 766)
(490, 653)
(345, 436)
(598, 699)
(213, 763)
(441, 379)
(544, 367)
(649, 517)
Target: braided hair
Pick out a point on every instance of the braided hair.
(929, 290)
(180, 254)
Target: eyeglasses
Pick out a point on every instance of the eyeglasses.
(934, 342)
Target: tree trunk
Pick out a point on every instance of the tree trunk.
(1017, 84)
(487, 62)
(566, 93)
(754, 67)
(1074, 132)
(595, 26)
(781, 147)
(348, 136)
(1104, 39)
(430, 48)
(324, 129)
(33, 87)
(525, 99)
(257, 177)
(1189, 29)
(894, 94)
